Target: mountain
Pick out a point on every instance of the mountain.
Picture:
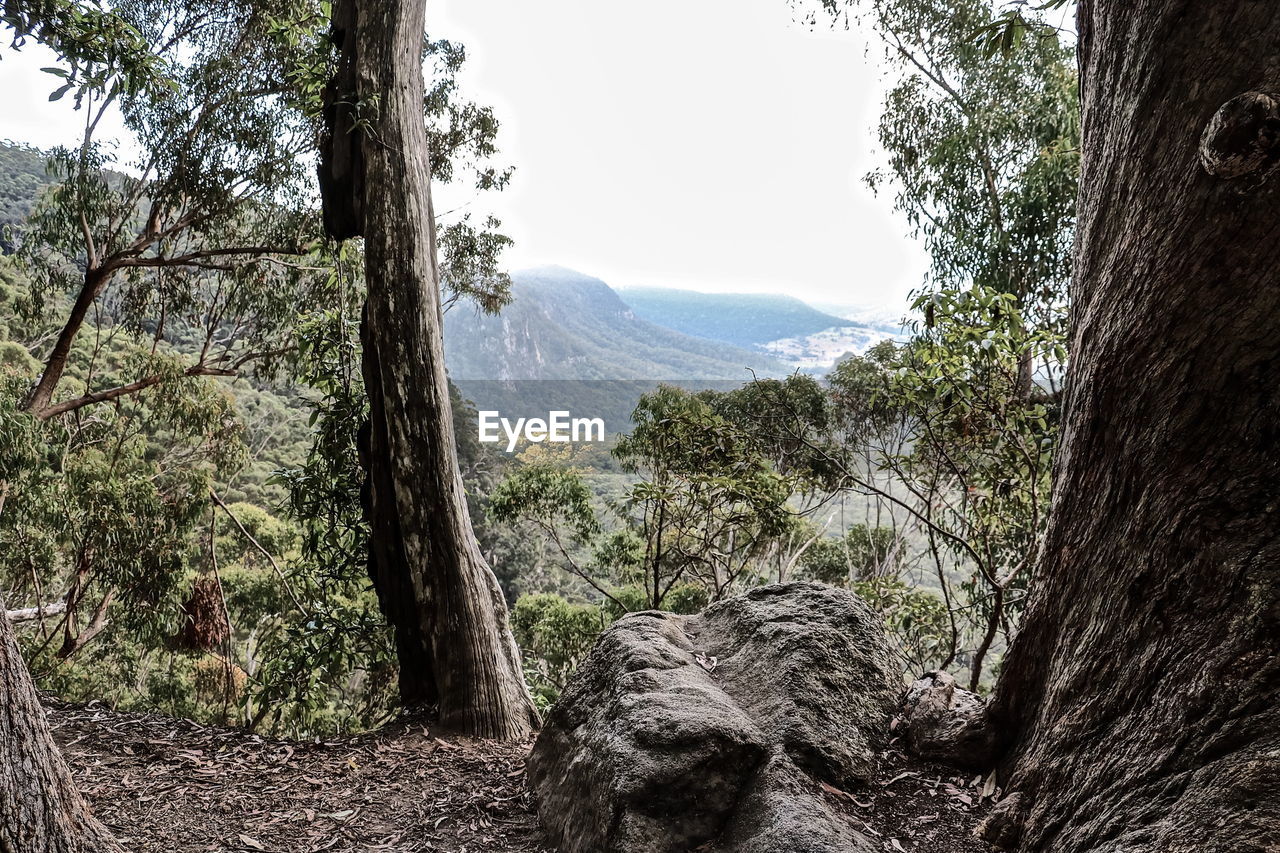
(562, 324)
(743, 319)
(881, 319)
(794, 332)
(22, 176)
(565, 325)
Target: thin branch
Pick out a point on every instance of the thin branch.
(193, 258)
(124, 391)
(270, 559)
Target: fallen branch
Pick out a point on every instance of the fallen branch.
(31, 614)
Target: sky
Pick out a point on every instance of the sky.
(715, 145)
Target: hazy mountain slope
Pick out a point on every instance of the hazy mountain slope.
(22, 177)
(565, 325)
(743, 319)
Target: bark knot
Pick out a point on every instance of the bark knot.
(1242, 138)
(1002, 828)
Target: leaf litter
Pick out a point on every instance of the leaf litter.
(173, 786)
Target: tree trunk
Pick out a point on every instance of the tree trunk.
(455, 646)
(40, 809)
(56, 364)
(1144, 689)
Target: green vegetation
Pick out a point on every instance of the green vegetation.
(201, 519)
(23, 175)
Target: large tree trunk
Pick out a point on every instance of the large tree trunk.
(1144, 688)
(40, 809)
(455, 646)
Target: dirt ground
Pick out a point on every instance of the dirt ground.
(170, 786)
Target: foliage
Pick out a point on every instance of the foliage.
(189, 247)
(333, 659)
(708, 503)
(861, 554)
(329, 660)
(703, 508)
(916, 619)
(1015, 22)
(983, 152)
(462, 143)
(202, 259)
(982, 140)
(101, 514)
(684, 598)
(555, 636)
(102, 49)
(23, 175)
(978, 383)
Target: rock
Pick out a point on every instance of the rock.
(780, 811)
(810, 664)
(643, 751)
(947, 723)
(715, 729)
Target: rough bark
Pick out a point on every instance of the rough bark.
(455, 647)
(56, 364)
(1144, 688)
(40, 809)
(341, 158)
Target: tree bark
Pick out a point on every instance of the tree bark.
(450, 620)
(95, 278)
(1144, 688)
(40, 809)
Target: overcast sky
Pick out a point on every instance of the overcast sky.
(707, 144)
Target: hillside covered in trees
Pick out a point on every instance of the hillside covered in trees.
(1004, 578)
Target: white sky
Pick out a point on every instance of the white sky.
(707, 144)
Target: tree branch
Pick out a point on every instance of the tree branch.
(124, 391)
(270, 559)
(31, 614)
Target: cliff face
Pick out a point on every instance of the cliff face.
(565, 325)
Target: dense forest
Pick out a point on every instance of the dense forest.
(1003, 577)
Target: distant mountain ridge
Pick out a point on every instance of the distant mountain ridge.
(23, 175)
(743, 319)
(562, 324)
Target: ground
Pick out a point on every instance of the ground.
(171, 786)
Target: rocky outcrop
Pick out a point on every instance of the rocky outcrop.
(946, 723)
(713, 731)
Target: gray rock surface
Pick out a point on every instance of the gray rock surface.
(679, 732)
(947, 723)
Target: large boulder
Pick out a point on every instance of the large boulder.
(714, 731)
